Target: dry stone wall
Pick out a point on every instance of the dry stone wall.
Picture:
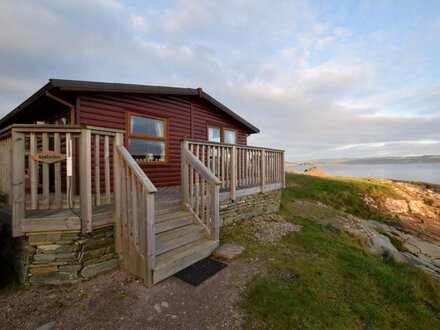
(250, 206)
(64, 257)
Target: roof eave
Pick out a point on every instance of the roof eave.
(89, 86)
(28, 101)
(209, 98)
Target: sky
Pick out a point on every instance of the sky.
(321, 79)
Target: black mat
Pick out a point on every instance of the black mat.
(200, 271)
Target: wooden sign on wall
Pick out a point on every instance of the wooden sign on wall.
(49, 157)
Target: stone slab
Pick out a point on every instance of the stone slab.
(228, 252)
(94, 269)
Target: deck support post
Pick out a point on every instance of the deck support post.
(233, 172)
(150, 244)
(18, 184)
(86, 181)
(215, 212)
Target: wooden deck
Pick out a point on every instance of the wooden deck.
(44, 220)
(168, 194)
(66, 213)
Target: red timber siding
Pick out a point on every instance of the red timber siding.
(109, 110)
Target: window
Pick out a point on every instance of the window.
(147, 138)
(214, 134)
(229, 136)
(222, 135)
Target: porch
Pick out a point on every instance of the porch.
(94, 182)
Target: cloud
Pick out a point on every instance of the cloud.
(318, 80)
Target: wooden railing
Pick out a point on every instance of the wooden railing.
(6, 167)
(240, 167)
(201, 189)
(37, 186)
(135, 235)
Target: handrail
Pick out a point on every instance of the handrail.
(201, 168)
(135, 218)
(201, 192)
(229, 145)
(239, 165)
(143, 178)
(50, 128)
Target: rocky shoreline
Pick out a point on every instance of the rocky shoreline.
(411, 237)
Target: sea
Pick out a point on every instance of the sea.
(429, 172)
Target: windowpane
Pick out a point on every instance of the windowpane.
(214, 134)
(230, 137)
(147, 150)
(147, 126)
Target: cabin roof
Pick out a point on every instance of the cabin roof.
(65, 85)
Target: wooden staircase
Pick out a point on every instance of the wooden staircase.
(157, 236)
(180, 241)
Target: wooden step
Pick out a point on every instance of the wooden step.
(175, 238)
(163, 205)
(171, 224)
(171, 262)
(165, 210)
(179, 213)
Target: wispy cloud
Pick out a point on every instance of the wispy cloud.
(320, 80)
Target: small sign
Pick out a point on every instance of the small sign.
(49, 157)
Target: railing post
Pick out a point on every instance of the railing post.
(184, 174)
(151, 243)
(263, 170)
(18, 184)
(33, 171)
(118, 140)
(233, 172)
(283, 171)
(86, 181)
(215, 212)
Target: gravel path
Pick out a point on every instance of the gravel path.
(116, 300)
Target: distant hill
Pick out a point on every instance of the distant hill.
(372, 160)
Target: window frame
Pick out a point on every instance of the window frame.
(165, 137)
(222, 133)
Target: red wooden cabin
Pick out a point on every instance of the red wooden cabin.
(155, 162)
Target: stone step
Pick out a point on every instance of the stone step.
(175, 238)
(171, 262)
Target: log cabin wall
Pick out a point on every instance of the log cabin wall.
(187, 117)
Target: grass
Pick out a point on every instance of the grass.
(344, 194)
(321, 277)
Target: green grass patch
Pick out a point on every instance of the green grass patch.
(344, 194)
(321, 277)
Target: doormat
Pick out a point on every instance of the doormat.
(200, 271)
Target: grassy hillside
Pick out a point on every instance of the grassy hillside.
(344, 194)
(321, 277)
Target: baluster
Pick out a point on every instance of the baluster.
(213, 159)
(46, 173)
(33, 172)
(68, 183)
(57, 172)
(97, 172)
(197, 183)
(191, 187)
(107, 169)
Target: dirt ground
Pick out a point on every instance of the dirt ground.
(116, 300)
